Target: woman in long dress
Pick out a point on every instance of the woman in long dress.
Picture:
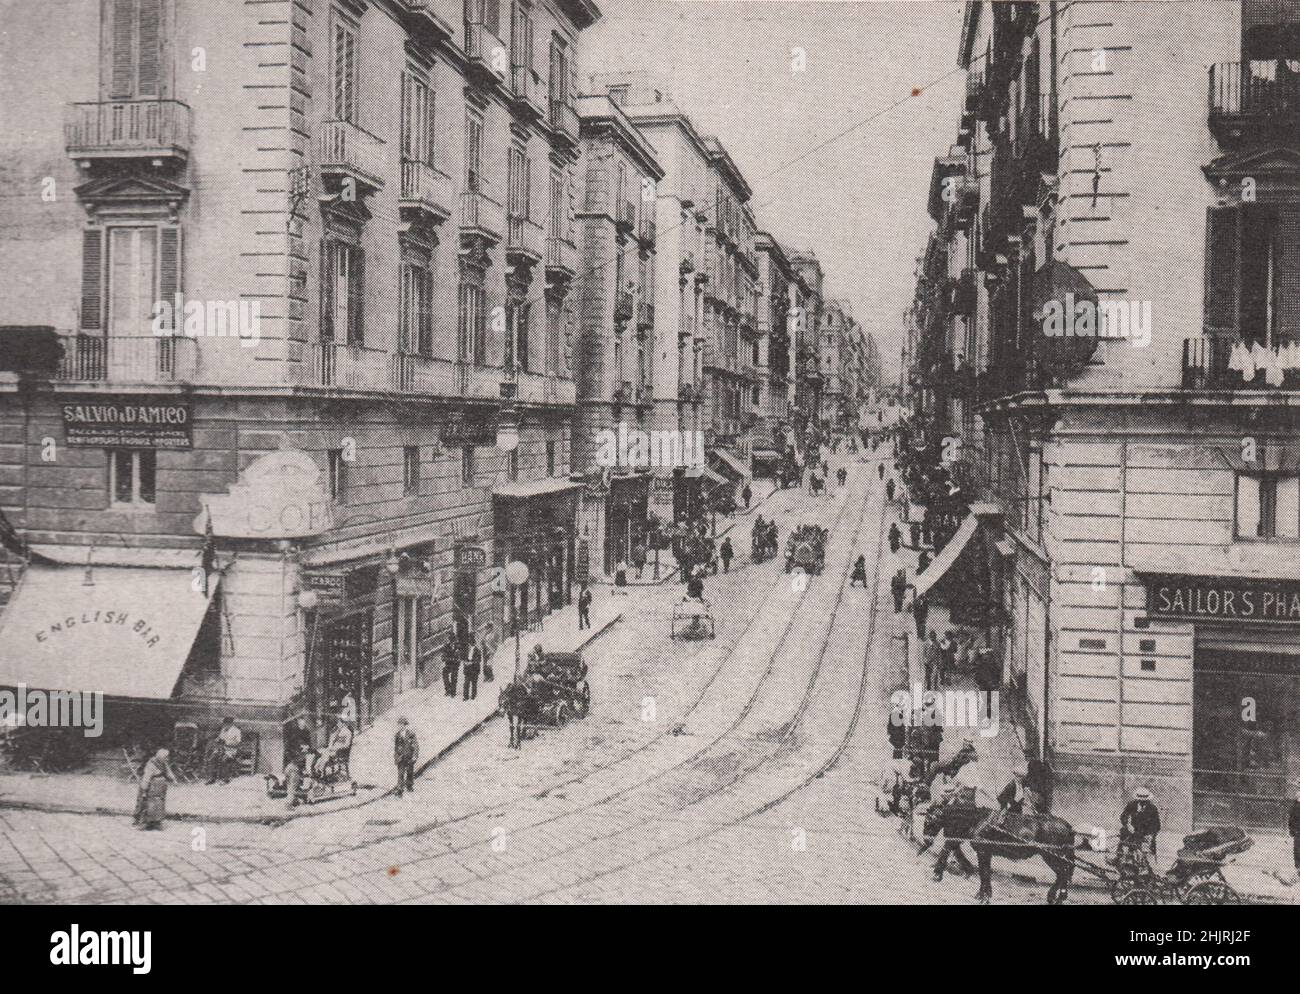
(151, 801)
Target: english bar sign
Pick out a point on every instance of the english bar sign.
(1208, 598)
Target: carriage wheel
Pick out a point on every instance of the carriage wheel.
(1137, 895)
(561, 715)
(1212, 892)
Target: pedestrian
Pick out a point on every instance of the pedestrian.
(489, 645)
(895, 538)
(695, 588)
(915, 530)
(151, 798)
(898, 587)
(584, 608)
(473, 662)
(223, 754)
(348, 709)
(450, 664)
(1139, 822)
(747, 495)
(890, 488)
(406, 750)
(920, 609)
(932, 657)
(638, 558)
(923, 561)
(880, 471)
(1293, 824)
(726, 553)
(860, 572)
(947, 655)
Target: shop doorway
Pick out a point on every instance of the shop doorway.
(346, 654)
(1245, 736)
(407, 643)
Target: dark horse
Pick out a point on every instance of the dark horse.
(1011, 836)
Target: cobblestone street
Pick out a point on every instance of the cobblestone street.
(736, 769)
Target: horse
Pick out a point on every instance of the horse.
(1009, 835)
(512, 702)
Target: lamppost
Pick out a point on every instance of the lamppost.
(516, 576)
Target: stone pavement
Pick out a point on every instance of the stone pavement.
(439, 721)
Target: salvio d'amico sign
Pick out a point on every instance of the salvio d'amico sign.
(134, 423)
(1209, 598)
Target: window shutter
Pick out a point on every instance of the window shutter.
(407, 122)
(326, 292)
(92, 280)
(1248, 506)
(1222, 268)
(430, 134)
(492, 16)
(356, 298)
(169, 269)
(149, 59)
(123, 64)
(426, 312)
(1288, 507)
(1287, 270)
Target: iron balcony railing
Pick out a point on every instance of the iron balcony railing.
(1220, 362)
(125, 128)
(128, 359)
(1262, 91)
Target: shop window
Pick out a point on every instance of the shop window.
(132, 478)
(411, 470)
(337, 468)
(467, 466)
(1268, 506)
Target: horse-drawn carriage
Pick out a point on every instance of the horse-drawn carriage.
(555, 690)
(692, 619)
(763, 541)
(1196, 876)
(806, 549)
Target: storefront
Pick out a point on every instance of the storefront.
(1245, 693)
(626, 507)
(341, 639)
(535, 524)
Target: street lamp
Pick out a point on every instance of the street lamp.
(516, 576)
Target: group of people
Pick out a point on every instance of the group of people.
(466, 658)
(763, 538)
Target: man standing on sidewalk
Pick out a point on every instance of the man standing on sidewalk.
(450, 665)
(406, 750)
(584, 608)
(726, 553)
(473, 660)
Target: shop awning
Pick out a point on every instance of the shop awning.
(717, 479)
(127, 634)
(947, 556)
(732, 463)
(534, 488)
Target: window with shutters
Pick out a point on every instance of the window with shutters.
(521, 35)
(559, 83)
(125, 272)
(342, 292)
(1268, 506)
(345, 68)
(135, 42)
(415, 309)
(556, 220)
(418, 119)
(519, 186)
(132, 478)
(1252, 272)
(473, 152)
(336, 467)
(472, 336)
(411, 470)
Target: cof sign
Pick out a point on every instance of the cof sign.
(127, 424)
(279, 495)
(1223, 599)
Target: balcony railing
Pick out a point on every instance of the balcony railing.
(527, 87)
(426, 188)
(133, 359)
(626, 215)
(561, 254)
(128, 128)
(623, 305)
(645, 314)
(563, 118)
(545, 388)
(523, 236)
(485, 51)
(1208, 365)
(1253, 95)
(352, 367)
(348, 150)
(647, 230)
(480, 213)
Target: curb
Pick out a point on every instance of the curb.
(288, 816)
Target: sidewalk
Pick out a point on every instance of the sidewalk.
(439, 721)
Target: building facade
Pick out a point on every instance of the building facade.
(1106, 322)
(331, 370)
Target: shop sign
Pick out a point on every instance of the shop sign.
(330, 588)
(1223, 599)
(417, 586)
(461, 430)
(279, 495)
(127, 424)
(470, 557)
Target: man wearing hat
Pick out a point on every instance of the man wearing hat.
(406, 750)
(956, 821)
(1139, 823)
(224, 753)
(1013, 795)
(1293, 825)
